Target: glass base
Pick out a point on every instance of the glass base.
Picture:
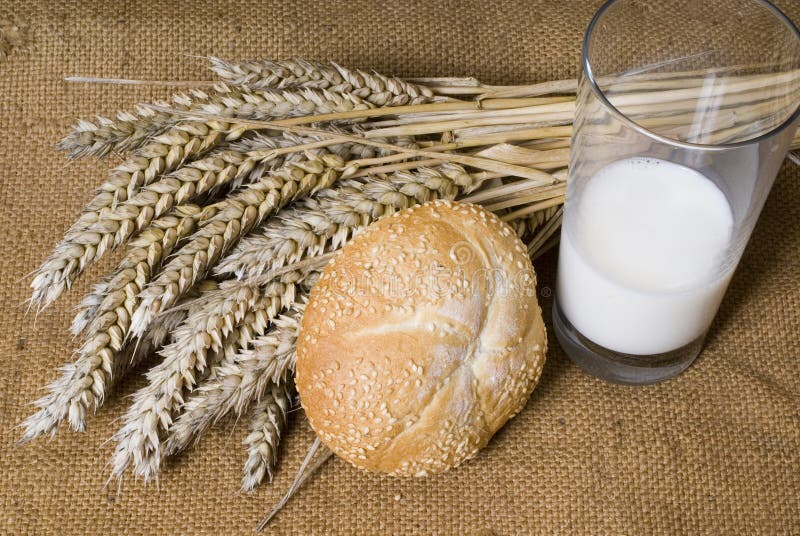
(617, 367)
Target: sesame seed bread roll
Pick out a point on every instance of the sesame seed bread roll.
(421, 338)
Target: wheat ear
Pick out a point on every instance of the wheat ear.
(101, 228)
(130, 130)
(238, 379)
(277, 103)
(211, 175)
(65, 398)
(261, 74)
(80, 247)
(245, 311)
(330, 218)
(223, 169)
(238, 214)
(97, 231)
(373, 87)
(84, 383)
(146, 253)
(268, 418)
(114, 228)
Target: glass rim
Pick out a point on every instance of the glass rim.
(588, 74)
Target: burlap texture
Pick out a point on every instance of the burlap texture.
(716, 450)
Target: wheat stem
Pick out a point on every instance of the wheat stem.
(545, 232)
(137, 81)
(309, 466)
(480, 163)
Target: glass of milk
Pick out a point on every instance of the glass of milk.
(686, 109)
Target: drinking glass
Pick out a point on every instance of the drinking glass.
(685, 112)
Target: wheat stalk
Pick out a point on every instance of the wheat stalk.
(84, 383)
(80, 247)
(129, 131)
(239, 378)
(486, 164)
(526, 227)
(93, 234)
(69, 396)
(241, 163)
(375, 88)
(268, 418)
(316, 456)
(201, 338)
(335, 213)
(237, 215)
(226, 167)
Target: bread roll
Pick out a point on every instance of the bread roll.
(421, 339)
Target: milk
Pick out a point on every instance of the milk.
(641, 261)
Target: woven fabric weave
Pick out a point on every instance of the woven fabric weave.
(716, 450)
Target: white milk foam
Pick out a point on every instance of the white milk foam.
(639, 266)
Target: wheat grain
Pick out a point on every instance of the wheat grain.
(237, 215)
(335, 213)
(239, 378)
(268, 419)
(375, 88)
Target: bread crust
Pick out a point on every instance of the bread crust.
(422, 337)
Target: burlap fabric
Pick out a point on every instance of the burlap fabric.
(716, 450)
